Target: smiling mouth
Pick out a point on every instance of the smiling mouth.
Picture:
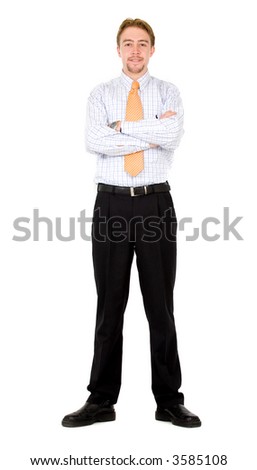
(136, 61)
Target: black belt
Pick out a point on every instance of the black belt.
(134, 191)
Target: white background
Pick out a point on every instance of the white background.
(52, 54)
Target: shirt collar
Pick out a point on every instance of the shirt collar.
(143, 81)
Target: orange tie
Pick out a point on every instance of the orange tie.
(134, 162)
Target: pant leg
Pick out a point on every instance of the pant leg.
(112, 258)
(156, 262)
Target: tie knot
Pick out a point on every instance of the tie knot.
(135, 86)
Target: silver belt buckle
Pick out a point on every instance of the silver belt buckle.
(132, 192)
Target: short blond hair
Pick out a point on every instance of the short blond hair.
(138, 24)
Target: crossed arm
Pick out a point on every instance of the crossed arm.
(129, 137)
(144, 129)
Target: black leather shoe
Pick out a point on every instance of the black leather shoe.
(90, 413)
(178, 415)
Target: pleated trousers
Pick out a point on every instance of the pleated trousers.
(144, 226)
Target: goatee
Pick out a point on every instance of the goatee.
(134, 69)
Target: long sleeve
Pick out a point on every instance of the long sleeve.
(101, 139)
(166, 133)
(107, 103)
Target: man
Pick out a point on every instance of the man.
(135, 122)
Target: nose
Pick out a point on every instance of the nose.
(135, 49)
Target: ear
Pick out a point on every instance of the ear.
(118, 50)
(152, 51)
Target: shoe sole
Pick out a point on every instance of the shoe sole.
(100, 418)
(159, 416)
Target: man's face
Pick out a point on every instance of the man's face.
(135, 51)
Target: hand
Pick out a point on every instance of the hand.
(118, 126)
(167, 114)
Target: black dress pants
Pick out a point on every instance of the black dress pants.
(144, 225)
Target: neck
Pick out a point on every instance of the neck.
(135, 76)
